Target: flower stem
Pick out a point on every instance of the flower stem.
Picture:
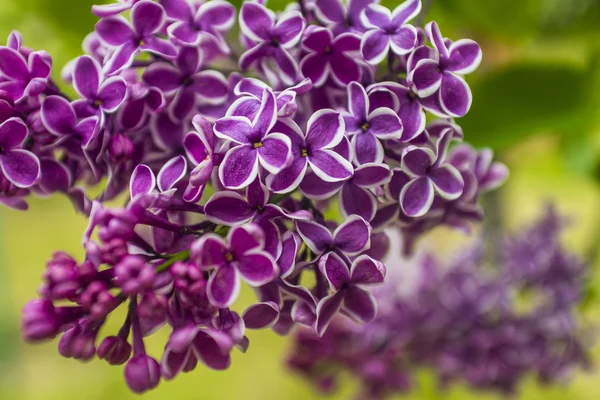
(181, 256)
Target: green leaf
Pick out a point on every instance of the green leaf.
(523, 100)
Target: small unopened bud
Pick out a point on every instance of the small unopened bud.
(120, 147)
(114, 350)
(142, 373)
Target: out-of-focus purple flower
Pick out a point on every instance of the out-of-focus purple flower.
(187, 82)
(347, 284)
(59, 117)
(340, 17)
(207, 23)
(430, 174)
(368, 126)
(23, 77)
(272, 39)
(147, 18)
(241, 255)
(21, 167)
(331, 57)
(255, 144)
(442, 73)
(388, 30)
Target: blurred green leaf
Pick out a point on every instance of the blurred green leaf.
(523, 100)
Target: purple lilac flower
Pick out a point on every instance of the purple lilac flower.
(98, 94)
(21, 167)
(155, 91)
(187, 82)
(330, 57)
(367, 126)
(241, 255)
(340, 17)
(256, 145)
(442, 72)
(325, 130)
(273, 39)
(388, 30)
(126, 40)
(23, 77)
(207, 23)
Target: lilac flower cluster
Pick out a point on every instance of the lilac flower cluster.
(490, 329)
(231, 159)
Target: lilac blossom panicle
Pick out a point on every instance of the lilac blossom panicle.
(231, 133)
(463, 322)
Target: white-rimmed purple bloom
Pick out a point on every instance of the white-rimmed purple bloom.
(252, 89)
(241, 254)
(231, 209)
(187, 82)
(147, 19)
(430, 174)
(404, 102)
(143, 180)
(329, 57)
(441, 74)
(325, 130)
(388, 30)
(199, 148)
(348, 286)
(98, 94)
(107, 10)
(351, 238)
(255, 145)
(273, 39)
(19, 166)
(60, 119)
(355, 194)
(23, 77)
(369, 125)
(207, 23)
(340, 17)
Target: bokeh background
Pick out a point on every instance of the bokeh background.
(536, 103)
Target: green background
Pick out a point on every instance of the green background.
(536, 102)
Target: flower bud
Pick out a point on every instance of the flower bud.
(120, 147)
(114, 350)
(39, 320)
(142, 373)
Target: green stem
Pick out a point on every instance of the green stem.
(181, 256)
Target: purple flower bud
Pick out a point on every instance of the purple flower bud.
(114, 350)
(61, 278)
(97, 299)
(142, 373)
(79, 342)
(40, 320)
(120, 148)
(133, 275)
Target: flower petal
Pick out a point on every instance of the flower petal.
(289, 178)
(353, 236)
(416, 197)
(261, 315)
(316, 67)
(210, 86)
(329, 11)
(404, 41)
(58, 115)
(358, 201)
(426, 77)
(12, 65)
(237, 129)
(256, 21)
(371, 175)
(367, 149)
(142, 181)
(112, 94)
(366, 271)
(257, 268)
(13, 133)
(246, 238)
(289, 28)
(171, 173)
(405, 12)
(147, 17)
(455, 95)
(208, 252)
(385, 124)
(358, 101)
(326, 310)
(165, 77)
(465, 57)
(228, 208)
(87, 76)
(374, 46)
(416, 160)
(448, 181)
(121, 58)
(20, 167)
(344, 69)
(330, 166)
(212, 348)
(335, 270)
(275, 152)
(267, 115)
(239, 167)
(325, 129)
(360, 305)
(287, 260)
(317, 237)
(223, 286)
(376, 16)
(114, 31)
(315, 188)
